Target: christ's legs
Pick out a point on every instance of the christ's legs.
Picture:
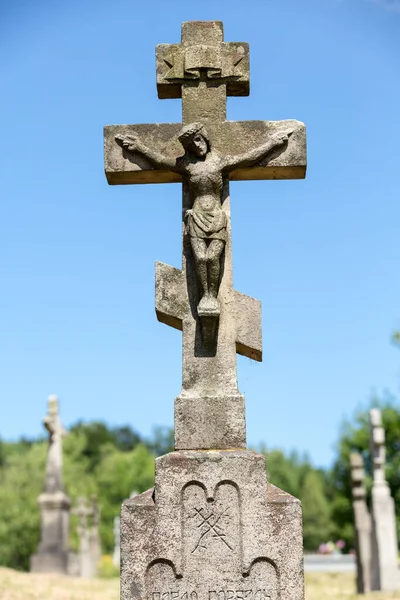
(214, 252)
(199, 248)
(207, 260)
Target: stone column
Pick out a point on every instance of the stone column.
(52, 554)
(85, 556)
(385, 570)
(362, 524)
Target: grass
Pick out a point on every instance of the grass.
(34, 586)
(339, 586)
(26, 586)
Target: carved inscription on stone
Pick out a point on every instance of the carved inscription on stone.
(224, 594)
(261, 583)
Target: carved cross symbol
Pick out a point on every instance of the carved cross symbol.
(203, 70)
(209, 525)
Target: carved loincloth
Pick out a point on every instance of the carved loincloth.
(207, 224)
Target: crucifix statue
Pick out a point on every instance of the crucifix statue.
(53, 424)
(204, 153)
(52, 554)
(204, 171)
(212, 527)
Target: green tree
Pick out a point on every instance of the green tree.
(295, 475)
(22, 478)
(286, 472)
(316, 514)
(97, 460)
(117, 476)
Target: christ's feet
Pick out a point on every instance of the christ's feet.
(208, 307)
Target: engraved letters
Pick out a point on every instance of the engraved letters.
(174, 595)
(256, 594)
(219, 594)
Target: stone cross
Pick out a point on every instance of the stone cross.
(216, 321)
(52, 554)
(212, 528)
(53, 424)
(362, 524)
(385, 572)
(378, 450)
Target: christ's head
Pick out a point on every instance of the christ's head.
(194, 139)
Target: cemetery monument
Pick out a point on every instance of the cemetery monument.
(385, 572)
(362, 523)
(213, 528)
(87, 562)
(52, 555)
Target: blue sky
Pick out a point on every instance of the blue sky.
(77, 303)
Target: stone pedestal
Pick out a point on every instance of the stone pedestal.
(52, 554)
(362, 523)
(89, 540)
(385, 569)
(212, 529)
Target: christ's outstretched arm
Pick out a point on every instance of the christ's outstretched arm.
(131, 143)
(254, 155)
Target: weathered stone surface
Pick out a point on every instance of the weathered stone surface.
(385, 571)
(362, 523)
(89, 541)
(209, 421)
(54, 504)
(223, 63)
(212, 530)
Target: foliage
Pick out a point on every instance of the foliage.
(108, 463)
(295, 475)
(316, 513)
(107, 569)
(21, 481)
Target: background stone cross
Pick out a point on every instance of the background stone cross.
(384, 572)
(203, 70)
(53, 424)
(362, 523)
(378, 449)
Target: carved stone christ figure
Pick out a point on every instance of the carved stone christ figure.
(204, 169)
